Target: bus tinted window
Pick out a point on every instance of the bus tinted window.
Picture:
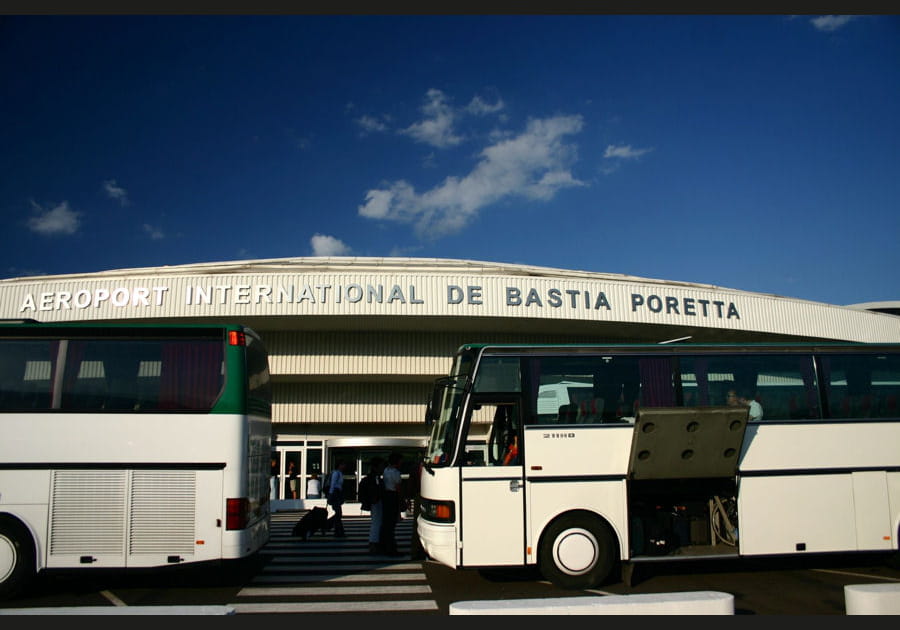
(783, 386)
(583, 389)
(26, 367)
(498, 374)
(862, 386)
(111, 374)
(598, 389)
(259, 392)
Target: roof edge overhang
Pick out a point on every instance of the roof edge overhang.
(357, 264)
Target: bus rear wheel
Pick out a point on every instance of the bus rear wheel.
(577, 551)
(16, 558)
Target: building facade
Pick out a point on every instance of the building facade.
(355, 343)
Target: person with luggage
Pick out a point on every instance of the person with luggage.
(336, 496)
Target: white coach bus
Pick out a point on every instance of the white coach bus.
(130, 446)
(667, 452)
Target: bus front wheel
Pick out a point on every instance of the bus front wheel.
(16, 558)
(577, 551)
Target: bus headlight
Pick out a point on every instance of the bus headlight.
(437, 511)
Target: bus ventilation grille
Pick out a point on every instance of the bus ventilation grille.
(95, 512)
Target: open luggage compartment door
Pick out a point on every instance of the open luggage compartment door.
(687, 442)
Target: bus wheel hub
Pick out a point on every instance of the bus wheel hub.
(575, 551)
(7, 558)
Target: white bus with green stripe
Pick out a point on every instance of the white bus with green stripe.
(130, 446)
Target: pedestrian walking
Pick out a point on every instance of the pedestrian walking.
(371, 490)
(391, 505)
(336, 497)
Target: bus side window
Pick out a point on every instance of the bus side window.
(25, 372)
(84, 387)
(862, 386)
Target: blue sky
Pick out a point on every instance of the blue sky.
(756, 152)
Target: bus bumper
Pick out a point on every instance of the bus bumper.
(438, 541)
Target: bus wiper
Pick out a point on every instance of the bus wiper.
(428, 467)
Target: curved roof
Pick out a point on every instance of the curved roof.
(892, 307)
(358, 264)
(476, 295)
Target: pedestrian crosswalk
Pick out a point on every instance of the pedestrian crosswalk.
(326, 574)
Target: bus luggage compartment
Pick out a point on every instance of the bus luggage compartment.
(682, 481)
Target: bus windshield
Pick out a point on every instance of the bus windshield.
(445, 410)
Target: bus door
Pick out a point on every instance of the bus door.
(494, 484)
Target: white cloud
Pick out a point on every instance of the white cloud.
(153, 232)
(58, 220)
(830, 23)
(323, 245)
(534, 165)
(624, 151)
(479, 107)
(370, 124)
(437, 127)
(114, 191)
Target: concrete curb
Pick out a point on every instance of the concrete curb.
(689, 603)
(122, 610)
(872, 599)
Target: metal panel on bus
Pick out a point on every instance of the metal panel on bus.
(492, 490)
(872, 508)
(687, 442)
(139, 518)
(87, 518)
(786, 514)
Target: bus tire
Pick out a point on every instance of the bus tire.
(17, 562)
(577, 551)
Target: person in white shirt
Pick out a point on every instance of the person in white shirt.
(313, 487)
(756, 410)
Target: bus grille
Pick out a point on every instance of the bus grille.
(162, 511)
(88, 513)
(90, 510)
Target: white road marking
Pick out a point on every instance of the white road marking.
(862, 575)
(358, 577)
(115, 600)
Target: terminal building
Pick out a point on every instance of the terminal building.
(355, 343)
